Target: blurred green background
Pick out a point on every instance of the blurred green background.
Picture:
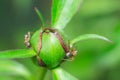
(96, 59)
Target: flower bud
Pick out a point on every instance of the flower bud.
(48, 48)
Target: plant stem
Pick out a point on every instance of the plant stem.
(41, 74)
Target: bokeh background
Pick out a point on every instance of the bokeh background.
(96, 59)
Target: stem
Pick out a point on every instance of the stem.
(39, 74)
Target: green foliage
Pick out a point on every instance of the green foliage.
(89, 36)
(99, 17)
(19, 53)
(60, 74)
(12, 68)
(40, 16)
(63, 11)
(111, 57)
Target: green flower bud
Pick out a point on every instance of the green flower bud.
(48, 48)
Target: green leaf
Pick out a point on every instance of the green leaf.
(13, 68)
(63, 11)
(112, 56)
(20, 53)
(60, 74)
(40, 16)
(89, 36)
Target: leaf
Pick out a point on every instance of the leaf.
(20, 53)
(40, 16)
(112, 56)
(13, 68)
(89, 36)
(63, 11)
(60, 74)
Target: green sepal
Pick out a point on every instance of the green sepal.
(35, 39)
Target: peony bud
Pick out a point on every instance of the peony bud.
(50, 48)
